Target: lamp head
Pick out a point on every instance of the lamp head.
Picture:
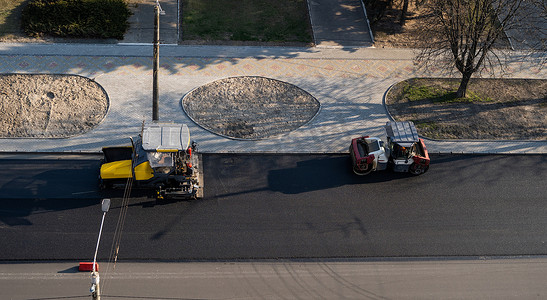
(105, 205)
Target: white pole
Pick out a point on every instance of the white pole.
(98, 241)
(95, 279)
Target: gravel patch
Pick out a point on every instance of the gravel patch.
(250, 107)
(49, 106)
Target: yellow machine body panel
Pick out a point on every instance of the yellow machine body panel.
(122, 169)
(116, 170)
(144, 171)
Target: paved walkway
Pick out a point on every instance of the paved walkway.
(141, 22)
(531, 30)
(339, 23)
(349, 83)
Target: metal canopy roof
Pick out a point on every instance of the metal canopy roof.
(401, 132)
(165, 137)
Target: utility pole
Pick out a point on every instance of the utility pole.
(95, 279)
(155, 93)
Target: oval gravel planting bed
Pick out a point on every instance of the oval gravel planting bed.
(49, 106)
(250, 107)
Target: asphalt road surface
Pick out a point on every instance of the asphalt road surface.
(521, 278)
(282, 206)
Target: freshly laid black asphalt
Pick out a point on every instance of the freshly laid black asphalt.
(282, 206)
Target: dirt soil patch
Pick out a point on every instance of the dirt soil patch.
(498, 109)
(388, 32)
(250, 107)
(49, 106)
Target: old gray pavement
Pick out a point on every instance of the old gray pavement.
(469, 278)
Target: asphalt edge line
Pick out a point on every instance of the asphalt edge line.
(370, 259)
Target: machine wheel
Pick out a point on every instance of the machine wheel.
(355, 170)
(365, 172)
(416, 169)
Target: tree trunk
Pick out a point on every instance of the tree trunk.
(402, 19)
(462, 90)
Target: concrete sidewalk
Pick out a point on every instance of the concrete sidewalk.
(348, 82)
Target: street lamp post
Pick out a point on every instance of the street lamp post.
(155, 92)
(95, 280)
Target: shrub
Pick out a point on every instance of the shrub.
(76, 18)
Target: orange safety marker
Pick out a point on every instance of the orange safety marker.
(88, 267)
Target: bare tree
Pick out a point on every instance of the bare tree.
(376, 9)
(463, 33)
(404, 11)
